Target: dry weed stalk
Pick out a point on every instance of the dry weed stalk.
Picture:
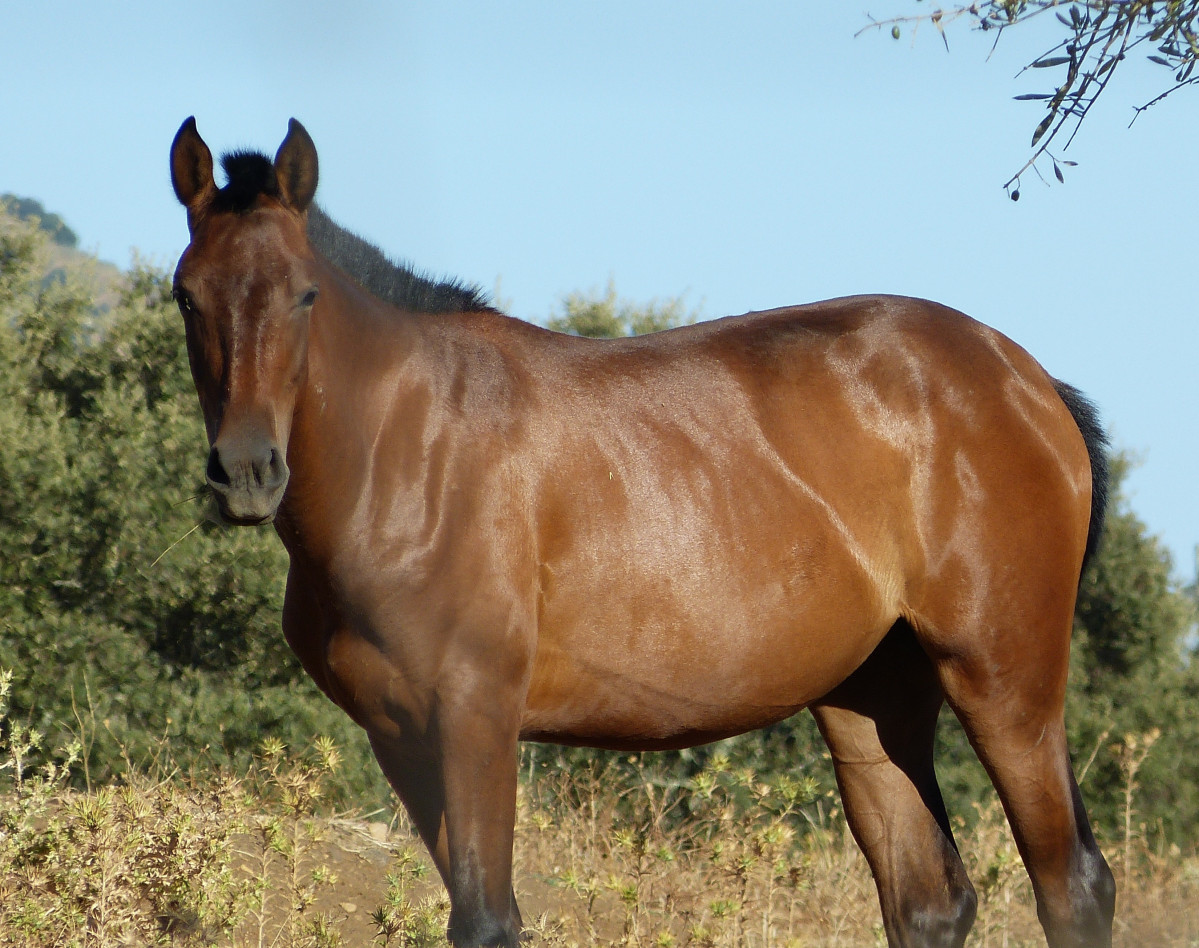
(145, 862)
(284, 851)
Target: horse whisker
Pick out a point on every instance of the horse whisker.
(198, 525)
(189, 499)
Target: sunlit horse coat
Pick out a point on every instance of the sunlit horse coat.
(864, 507)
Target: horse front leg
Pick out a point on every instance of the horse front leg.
(459, 787)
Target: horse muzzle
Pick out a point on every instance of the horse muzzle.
(247, 478)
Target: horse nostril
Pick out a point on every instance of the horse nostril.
(238, 467)
(277, 468)
(215, 472)
(264, 469)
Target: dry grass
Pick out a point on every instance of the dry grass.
(730, 858)
(741, 871)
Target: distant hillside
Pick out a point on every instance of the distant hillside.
(26, 208)
(64, 258)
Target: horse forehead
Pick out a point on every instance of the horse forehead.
(255, 246)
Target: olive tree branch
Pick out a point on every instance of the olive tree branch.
(1101, 34)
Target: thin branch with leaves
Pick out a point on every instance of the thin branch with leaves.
(1100, 35)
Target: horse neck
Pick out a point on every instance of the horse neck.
(359, 348)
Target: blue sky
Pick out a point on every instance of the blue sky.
(742, 156)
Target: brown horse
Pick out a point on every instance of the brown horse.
(865, 507)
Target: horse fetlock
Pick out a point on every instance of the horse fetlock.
(942, 925)
(1085, 921)
(475, 929)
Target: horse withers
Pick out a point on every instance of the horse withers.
(865, 507)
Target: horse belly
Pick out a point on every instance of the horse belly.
(671, 664)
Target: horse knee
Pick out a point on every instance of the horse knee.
(1103, 891)
(1098, 885)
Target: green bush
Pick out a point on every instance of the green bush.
(129, 617)
(125, 613)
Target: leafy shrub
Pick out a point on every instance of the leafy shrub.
(128, 617)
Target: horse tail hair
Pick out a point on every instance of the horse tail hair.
(1086, 416)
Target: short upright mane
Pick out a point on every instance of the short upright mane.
(252, 174)
(394, 282)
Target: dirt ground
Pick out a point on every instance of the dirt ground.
(360, 853)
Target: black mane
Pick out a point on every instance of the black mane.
(252, 174)
(394, 282)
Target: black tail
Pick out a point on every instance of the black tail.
(1086, 416)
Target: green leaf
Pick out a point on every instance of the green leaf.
(1042, 129)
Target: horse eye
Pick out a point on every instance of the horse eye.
(184, 302)
(309, 297)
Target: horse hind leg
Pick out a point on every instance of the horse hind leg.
(1007, 686)
(879, 726)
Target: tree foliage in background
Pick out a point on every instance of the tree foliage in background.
(1097, 36)
(607, 316)
(128, 618)
(1134, 671)
(29, 209)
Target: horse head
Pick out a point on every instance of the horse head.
(246, 288)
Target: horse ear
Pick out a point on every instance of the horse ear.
(191, 166)
(296, 166)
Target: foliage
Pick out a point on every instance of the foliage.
(753, 865)
(609, 317)
(129, 617)
(1098, 35)
(282, 856)
(153, 859)
(402, 923)
(144, 863)
(1133, 672)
